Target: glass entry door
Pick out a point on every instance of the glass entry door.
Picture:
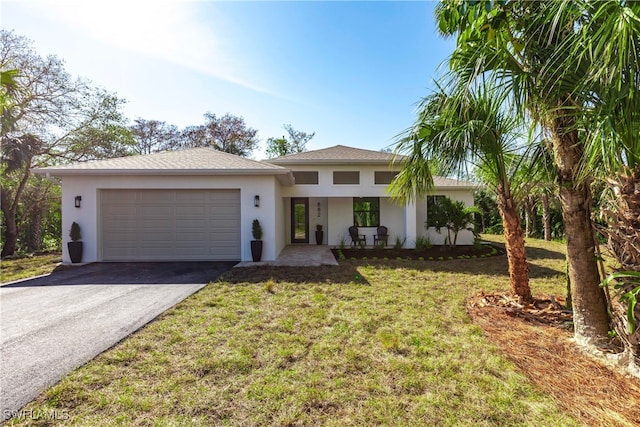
(299, 220)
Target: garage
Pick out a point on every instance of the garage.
(170, 225)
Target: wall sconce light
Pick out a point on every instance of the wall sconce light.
(256, 201)
(78, 199)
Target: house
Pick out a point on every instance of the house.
(199, 204)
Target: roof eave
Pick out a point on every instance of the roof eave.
(332, 162)
(234, 172)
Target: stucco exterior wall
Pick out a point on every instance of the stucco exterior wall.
(406, 222)
(87, 216)
(326, 187)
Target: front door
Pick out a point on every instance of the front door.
(299, 220)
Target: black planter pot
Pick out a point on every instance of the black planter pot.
(256, 250)
(319, 237)
(75, 251)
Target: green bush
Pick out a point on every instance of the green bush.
(75, 234)
(256, 230)
(422, 243)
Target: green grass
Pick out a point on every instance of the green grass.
(30, 266)
(383, 342)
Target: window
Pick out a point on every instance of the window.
(384, 177)
(366, 211)
(432, 201)
(306, 177)
(340, 177)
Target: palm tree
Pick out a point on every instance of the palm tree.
(462, 128)
(554, 57)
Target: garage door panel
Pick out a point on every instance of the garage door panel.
(191, 211)
(191, 195)
(194, 237)
(122, 236)
(157, 196)
(121, 196)
(155, 211)
(119, 224)
(165, 225)
(190, 223)
(119, 251)
(157, 237)
(228, 211)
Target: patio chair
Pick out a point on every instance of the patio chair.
(357, 239)
(381, 237)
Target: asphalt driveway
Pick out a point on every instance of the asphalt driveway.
(53, 324)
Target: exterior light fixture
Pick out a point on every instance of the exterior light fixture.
(78, 199)
(256, 201)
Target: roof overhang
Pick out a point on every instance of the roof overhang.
(284, 176)
(306, 162)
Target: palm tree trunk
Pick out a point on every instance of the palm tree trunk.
(623, 232)
(514, 245)
(34, 232)
(11, 230)
(546, 216)
(590, 318)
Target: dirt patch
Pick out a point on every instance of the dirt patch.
(434, 253)
(537, 340)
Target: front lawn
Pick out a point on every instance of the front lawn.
(28, 266)
(365, 343)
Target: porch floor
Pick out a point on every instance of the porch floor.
(298, 256)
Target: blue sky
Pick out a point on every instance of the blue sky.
(349, 71)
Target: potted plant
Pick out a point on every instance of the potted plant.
(75, 245)
(256, 244)
(319, 234)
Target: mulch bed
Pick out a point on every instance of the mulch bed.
(538, 340)
(434, 253)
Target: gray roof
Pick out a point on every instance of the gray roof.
(194, 161)
(440, 182)
(336, 154)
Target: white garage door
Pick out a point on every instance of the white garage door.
(170, 225)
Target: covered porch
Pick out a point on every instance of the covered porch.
(334, 215)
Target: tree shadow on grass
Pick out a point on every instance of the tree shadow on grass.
(536, 253)
(345, 273)
(348, 270)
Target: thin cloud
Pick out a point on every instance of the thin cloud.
(169, 31)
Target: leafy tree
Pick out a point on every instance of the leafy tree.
(454, 216)
(295, 143)
(39, 215)
(228, 133)
(152, 136)
(48, 117)
(568, 64)
(488, 220)
(469, 127)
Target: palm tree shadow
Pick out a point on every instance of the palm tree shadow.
(343, 274)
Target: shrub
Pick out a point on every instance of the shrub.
(422, 243)
(399, 242)
(342, 243)
(74, 233)
(256, 230)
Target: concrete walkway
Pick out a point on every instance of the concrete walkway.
(299, 256)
